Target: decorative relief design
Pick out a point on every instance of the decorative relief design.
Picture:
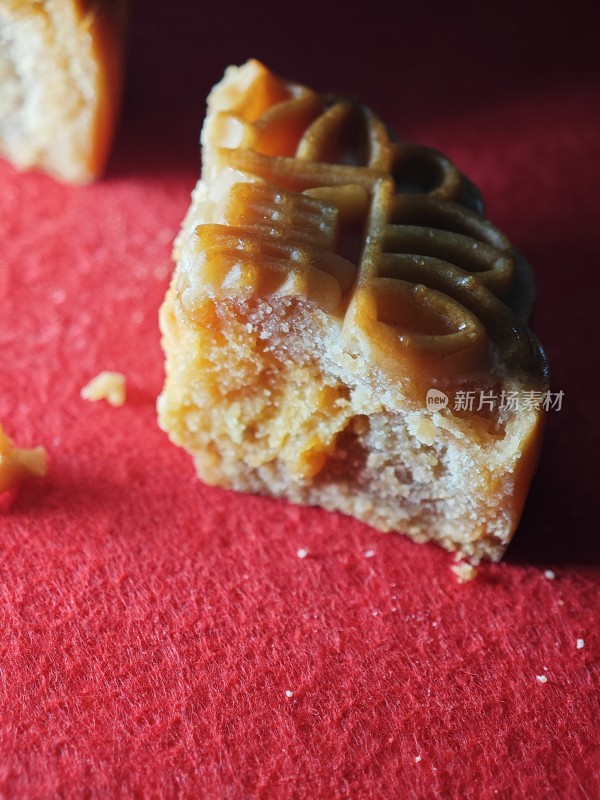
(321, 202)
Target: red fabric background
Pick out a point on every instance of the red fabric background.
(151, 626)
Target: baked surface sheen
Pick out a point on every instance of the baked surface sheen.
(327, 278)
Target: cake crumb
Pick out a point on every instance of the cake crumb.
(289, 693)
(542, 678)
(549, 574)
(109, 386)
(580, 644)
(464, 572)
(18, 464)
(417, 759)
(302, 552)
(369, 553)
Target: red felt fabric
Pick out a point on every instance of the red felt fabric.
(151, 627)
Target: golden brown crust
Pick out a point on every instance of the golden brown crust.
(107, 30)
(427, 281)
(524, 470)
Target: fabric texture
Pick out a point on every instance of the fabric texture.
(160, 638)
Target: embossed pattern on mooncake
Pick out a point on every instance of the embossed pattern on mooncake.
(428, 281)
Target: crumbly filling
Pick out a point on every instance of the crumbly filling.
(47, 88)
(265, 399)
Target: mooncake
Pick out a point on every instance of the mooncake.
(60, 84)
(345, 328)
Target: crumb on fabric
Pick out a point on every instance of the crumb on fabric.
(580, 644)
(289, 693)
(109, 386)
(417, 759)
(369, 553)
(18, 464)
(302, 552)
(542, 678)
(549, 574)
(464, 572)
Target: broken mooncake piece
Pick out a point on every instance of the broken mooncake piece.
(344, 328)
(60, 84)
(18, 464)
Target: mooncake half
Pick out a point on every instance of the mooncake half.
(60, 84)
(344, 328)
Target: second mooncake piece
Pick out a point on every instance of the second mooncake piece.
(344, 328)
(60, 84)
